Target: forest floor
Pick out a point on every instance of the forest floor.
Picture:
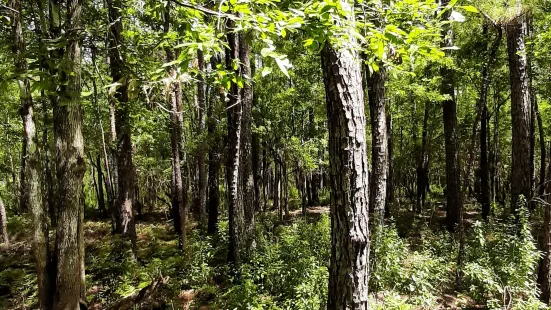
(192, 282)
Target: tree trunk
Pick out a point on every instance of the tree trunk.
(202, 177)
(520, 114)
(124, 213)
(390, 172)
(348, 269)
(178, 188)
(234, 114)
(544, 275)
(3, 225)
(423, 164)
(214, 158)
(543, 153)
(484, 166)
(101, 197)
(31, 194)
(69, 244)
(247, 175)
(449, 106)
(379, 140)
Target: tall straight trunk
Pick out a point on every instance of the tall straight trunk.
(31, 194)
(178, 189)
(449, 106)
(247, 176)
(202, 177)
(276, 188)
(124, 214)
(348, 269)
(4, 238)
(257, 171)
(483, 102)
(379, 140)
(423, 164)
(69, 244)
(265, 177)
(544, 275)
(543, 153)
(101, 196)
(233, 169)
(285, 175)
(520, 114)
(390, 172)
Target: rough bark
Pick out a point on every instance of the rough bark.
(69, 244)
(234, 114)
(124, 214)
(379, 141)
(520, 114)
(178, 191)
(202, 173)
(348, 269)
(449, 106)
(31, 194)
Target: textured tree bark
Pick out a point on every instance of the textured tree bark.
(178, 190)
(390, 172)
(202, 177)
(3, 224)
(379, 141)
(31, 193)
(124, 213)
(233, 169)
(247, 176)
(348, 269)
(69, 244)
(520, 114)
(454, 205)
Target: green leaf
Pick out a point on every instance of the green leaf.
(86, 93)
(283, 64)
(266, 71)
(469, 8)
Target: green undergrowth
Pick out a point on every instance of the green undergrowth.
(286, 267)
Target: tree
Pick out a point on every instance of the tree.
(3, 224)
(202, 175)
(348, 269)
(449, 107)
(520, 113)
(31, 194)
(178, 191)
(379, 140)
(70, 163)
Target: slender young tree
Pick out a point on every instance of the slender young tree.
(233, 168)
(31, 194)
(348, 268)
(202, 173)
(4, 238)
(178, 191)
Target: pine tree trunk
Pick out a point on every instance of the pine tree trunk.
(520, 114)
(379, 140)
(234, 115)
(202, 177)
(69, 244)
(31, 193)
(348, 269)
(454, 204)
